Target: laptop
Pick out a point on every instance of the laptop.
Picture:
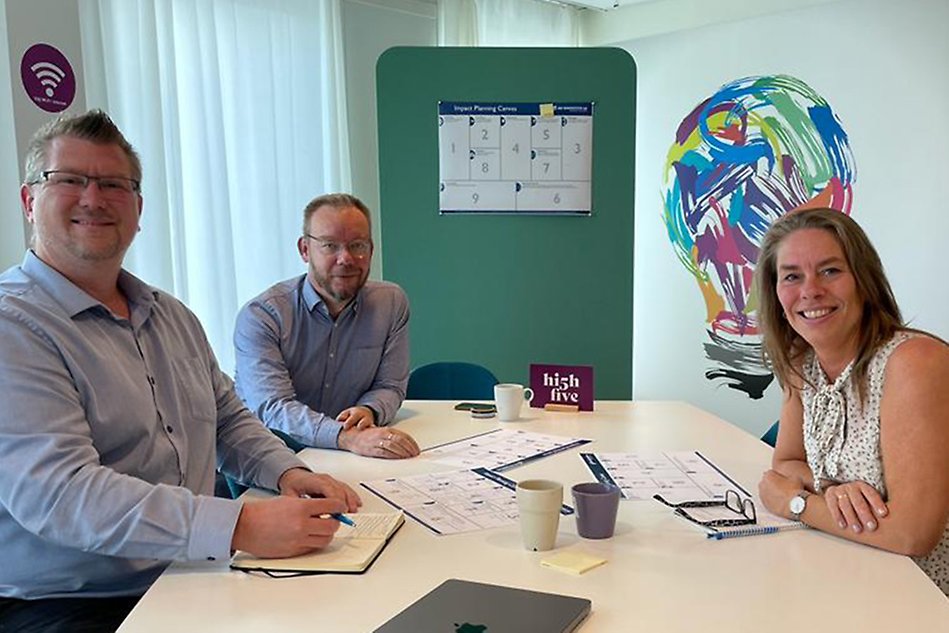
(461, 606)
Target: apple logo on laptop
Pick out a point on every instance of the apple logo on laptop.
(470, 628)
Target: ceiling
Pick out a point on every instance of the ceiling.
(602, 5)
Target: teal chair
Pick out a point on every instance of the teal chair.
(451, 381)
(232, 488)
(770, 436)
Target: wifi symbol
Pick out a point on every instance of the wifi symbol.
(49, 75)
(48, 78)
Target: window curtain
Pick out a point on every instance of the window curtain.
(237, 108)
(506, 23)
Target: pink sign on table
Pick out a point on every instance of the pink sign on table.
(570, 385)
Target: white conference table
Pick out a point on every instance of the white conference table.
(662, 574)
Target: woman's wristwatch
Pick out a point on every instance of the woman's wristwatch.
(798, 503)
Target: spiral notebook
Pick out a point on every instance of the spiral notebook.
(753, 530)
(766, 522)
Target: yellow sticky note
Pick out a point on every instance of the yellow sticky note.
(572, 562)
(546, 109)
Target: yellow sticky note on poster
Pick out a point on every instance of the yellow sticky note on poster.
(572, 562)
(546, 109)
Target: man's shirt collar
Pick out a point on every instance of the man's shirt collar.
(312, 299)
(74, 300)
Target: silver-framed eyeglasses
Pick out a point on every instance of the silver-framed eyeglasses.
(743, 507)
(357, 248)
(72, 182)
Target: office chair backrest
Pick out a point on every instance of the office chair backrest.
(451, 381)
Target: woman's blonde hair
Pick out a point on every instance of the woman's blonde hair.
(783, 347)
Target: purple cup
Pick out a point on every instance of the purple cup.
(596, 504)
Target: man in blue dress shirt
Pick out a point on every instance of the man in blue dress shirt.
(324, 357)
(115, 413)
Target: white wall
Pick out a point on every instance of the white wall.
(369, 28)
(634, 21)
(12, 240)
(882, 67)
(24, 24)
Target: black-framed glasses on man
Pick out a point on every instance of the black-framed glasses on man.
(742, 506)
(328, 248)
(73, 182)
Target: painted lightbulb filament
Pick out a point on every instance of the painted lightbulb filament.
(758, 148)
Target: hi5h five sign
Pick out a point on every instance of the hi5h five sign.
(570, 385)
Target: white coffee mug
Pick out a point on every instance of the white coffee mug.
(509, 398)
(538, 504)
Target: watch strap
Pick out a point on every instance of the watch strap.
(802, 495)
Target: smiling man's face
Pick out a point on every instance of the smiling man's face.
(338, 265)
(77, 227)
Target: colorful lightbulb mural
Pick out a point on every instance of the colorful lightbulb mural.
(756, 149)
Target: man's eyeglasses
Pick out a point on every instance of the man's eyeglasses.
(71, 182)
(327, 248)
(743, 507)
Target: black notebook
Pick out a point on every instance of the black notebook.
(351, 551)
(472, 607)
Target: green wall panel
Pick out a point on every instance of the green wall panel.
(507, 290)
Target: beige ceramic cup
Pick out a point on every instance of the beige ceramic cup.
(538, 503)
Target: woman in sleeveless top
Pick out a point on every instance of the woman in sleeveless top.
(864, 436)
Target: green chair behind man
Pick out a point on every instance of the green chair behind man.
(451, 381)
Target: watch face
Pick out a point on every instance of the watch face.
(797, 505)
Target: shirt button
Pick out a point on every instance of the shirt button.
(169, 429)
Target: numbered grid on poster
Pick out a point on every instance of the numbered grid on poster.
(501, 449)
(515, 157)
(676, 475)
(450, 502)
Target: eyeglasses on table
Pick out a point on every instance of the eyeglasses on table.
(742, 506)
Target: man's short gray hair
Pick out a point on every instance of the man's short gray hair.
(334, 201)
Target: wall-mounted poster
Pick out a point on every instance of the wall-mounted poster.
(533, 158)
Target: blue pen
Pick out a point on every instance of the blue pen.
(339, 516)
(342, 518)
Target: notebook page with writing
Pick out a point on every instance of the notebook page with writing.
(352, 550)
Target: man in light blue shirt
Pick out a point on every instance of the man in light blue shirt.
(324, 357)
(115, 413)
